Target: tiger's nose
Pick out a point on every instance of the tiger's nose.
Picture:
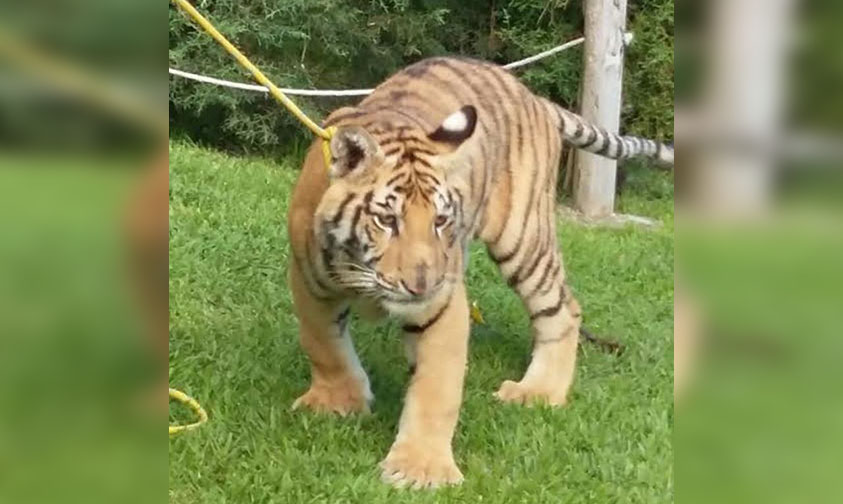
(414, 289)
(418, 286)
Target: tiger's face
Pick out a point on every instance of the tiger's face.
(391, 225)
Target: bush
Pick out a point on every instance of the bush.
(356, 43)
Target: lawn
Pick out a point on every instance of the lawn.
(233, 345)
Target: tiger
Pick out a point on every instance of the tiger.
(445, 151)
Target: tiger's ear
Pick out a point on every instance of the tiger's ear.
(457, 127)
(353, 151)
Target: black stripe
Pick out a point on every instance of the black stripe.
(527, 212)
(392, 150)
(548, 137)
(398, 94)
(507, 90)
(559, 115)
(312, 268)
(390, 109)
(338, 216)
(354, 221)
(606, 143)
(472, 173)
(510, 255)
(395, 178)
(348, 115)
(423, 150)
(505, 136)
(519, 136)
(551, 310)
(592, 137)
(368, 234)
(495, 105)
(429, 178)
(557, 266)
(412, 328)
(460, 77)
(327, 252)
(373, 260)
(453, 238)
(481, 198)
(532, 268)
(507, 97)
(419, 69)
(342, 320)
(460, 210)
(543, 277)
(492, 255)
(579, 130)
(402, 139)
(534, 154)
(545, 161)
(410, 157)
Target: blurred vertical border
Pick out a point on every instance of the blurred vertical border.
(83, 264)
(759, 242)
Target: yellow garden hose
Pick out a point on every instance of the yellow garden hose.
(324, 134)
(191, 403)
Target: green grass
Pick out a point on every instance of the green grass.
(233, 345)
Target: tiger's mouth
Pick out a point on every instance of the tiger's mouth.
(406, 306)
(370, 283)
(404, 294)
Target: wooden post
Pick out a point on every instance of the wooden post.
(743, 102)
(605, 23)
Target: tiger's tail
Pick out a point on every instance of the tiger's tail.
(592, 138)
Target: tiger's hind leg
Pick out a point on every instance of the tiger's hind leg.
(555, 320)
(527, 254)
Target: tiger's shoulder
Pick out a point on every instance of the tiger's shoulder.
(307, 194)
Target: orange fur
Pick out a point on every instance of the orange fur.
(442, 152)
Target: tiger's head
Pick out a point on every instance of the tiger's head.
(391, 224)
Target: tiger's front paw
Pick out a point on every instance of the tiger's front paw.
(342, 399)
(412, 465)
(529, 394)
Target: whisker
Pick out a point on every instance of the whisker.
(355, 266)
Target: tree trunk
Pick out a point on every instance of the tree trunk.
(605, 23)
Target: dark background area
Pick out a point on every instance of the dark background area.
(344, 44)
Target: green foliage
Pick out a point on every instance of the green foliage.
(358, 43)
(648, 79)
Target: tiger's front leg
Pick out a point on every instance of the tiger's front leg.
(338, 382)
(421, 455)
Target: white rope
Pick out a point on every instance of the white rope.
(362, 92)
(545, 54)
(257, 87)
(627, 38)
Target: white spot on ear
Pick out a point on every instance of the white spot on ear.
(455, 122)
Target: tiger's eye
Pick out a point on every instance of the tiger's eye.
(386, 221)
(441, 220)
